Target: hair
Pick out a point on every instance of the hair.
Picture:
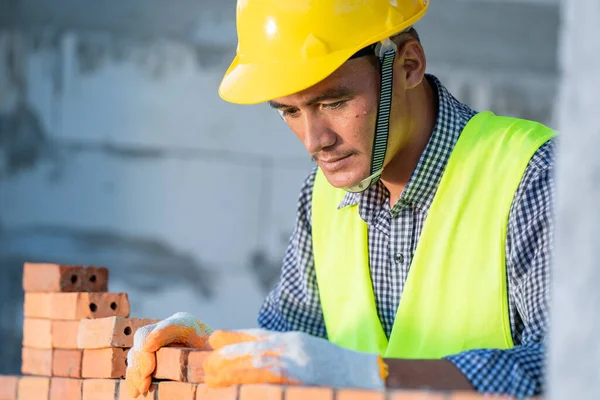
(406, 35)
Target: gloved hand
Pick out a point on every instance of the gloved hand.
(180, 328)
(291, 358)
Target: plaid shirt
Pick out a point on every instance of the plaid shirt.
(393, 236)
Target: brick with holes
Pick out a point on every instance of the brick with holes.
(44, 277)
(75, 306)
(109, 332)
(108, 363)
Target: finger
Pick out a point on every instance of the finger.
(132, 389)
(146, 363)
(241, 355)
(145, 384)
(174, 334)
(220, 338)
(140, 365)
(132, 377)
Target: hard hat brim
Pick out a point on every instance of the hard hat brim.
(258, 83)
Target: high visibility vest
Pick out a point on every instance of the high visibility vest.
(455, 297)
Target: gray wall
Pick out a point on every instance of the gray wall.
(574, 353)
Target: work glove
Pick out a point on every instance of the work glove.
(179, 329)
(291, 358)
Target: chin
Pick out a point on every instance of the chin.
(342, 179)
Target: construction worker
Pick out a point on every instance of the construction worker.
(421, 252)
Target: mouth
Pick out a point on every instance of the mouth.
(335, 164)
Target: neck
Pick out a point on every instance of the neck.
(398, 171)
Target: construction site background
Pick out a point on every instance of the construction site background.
(116, 150)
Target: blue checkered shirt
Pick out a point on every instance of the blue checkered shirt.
(393, 236)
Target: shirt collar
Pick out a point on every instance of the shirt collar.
(423, 182)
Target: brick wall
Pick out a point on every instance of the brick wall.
(77, 334)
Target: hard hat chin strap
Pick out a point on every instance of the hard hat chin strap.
(387, 52)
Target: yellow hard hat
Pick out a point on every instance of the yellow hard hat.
(286, 46)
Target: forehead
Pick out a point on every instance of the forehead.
(353, 74)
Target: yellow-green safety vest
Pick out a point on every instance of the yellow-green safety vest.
(455, 297)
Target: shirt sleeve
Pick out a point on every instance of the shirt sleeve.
(519, 371)
(294, 305)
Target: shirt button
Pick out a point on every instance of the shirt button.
(399, 258)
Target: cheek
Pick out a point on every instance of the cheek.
(359, 125)
(296, 129)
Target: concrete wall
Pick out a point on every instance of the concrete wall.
(115, 148)
(574, 350)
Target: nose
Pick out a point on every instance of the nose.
(317, 133)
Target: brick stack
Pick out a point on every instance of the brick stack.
(73, 328)
(76, 336)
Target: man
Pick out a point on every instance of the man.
(422, 245)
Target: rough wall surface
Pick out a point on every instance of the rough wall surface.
(575, 352)
(115, 148)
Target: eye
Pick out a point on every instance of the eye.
(336, 105)
(288, 112)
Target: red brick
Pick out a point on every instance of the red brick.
(37, 333)
(37, 305)
(203, 392)
(151, 394)
(176, 390)
(74, 306)
(41, 277)
(195, 365)
(33, 388)
(313, 393)
(65, 389)
(261, 392)
(100, 333)
(180, 364)
(64, 334)
(8, 387)
(416, 395)
(36, 361)
(104, 363)
(351, 394)
(171, 363)
(67, 363)
(100, 389)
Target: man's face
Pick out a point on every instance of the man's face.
(335, 120)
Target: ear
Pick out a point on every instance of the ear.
(412, 61)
